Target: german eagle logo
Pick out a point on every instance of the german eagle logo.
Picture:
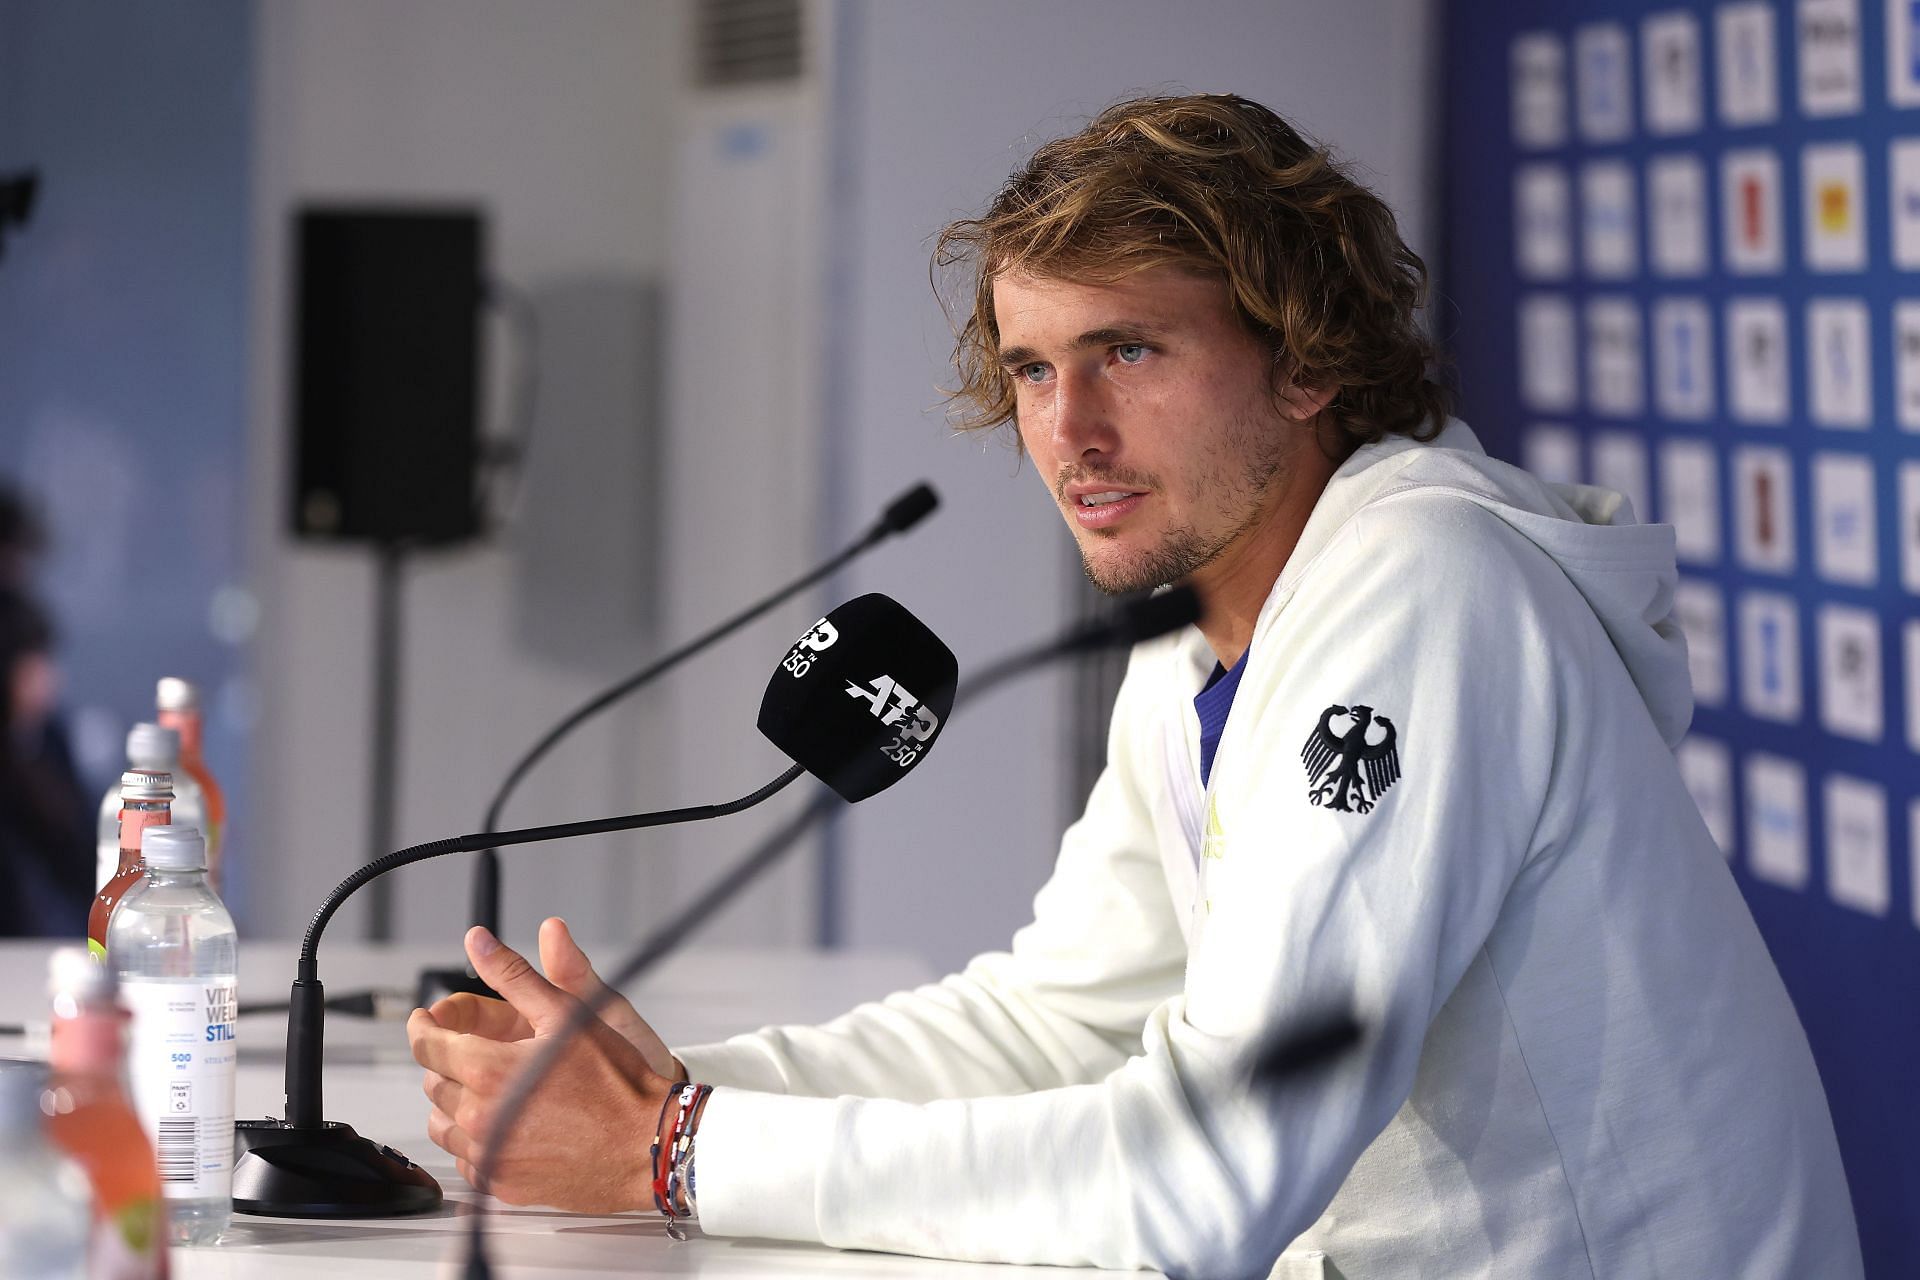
(1345, 770)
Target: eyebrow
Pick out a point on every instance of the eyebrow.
(1120, 331)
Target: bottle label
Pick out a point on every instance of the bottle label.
(180, 1064)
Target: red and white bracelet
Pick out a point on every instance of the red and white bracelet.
(673, 1189)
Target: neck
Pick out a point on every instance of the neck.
(1235, 585)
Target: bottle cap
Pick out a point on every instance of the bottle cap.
(75, 978)
(173, 849)
(146, 784)
(151, 747)
(176, 694)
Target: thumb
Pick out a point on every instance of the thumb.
(543, 1005)
(566, 964)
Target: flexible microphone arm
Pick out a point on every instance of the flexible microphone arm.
(303, 1166)
(899, 516)
(1136, 621)
(305, 1021)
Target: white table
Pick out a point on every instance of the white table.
(373, 1084)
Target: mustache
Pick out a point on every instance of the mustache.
(1116, 477)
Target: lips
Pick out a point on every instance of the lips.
(1103, 508)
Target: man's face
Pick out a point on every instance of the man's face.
(1151, 414)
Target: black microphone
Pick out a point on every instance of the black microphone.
(307, 1167)
(900, 515)
(1134, 622)
(868, 669)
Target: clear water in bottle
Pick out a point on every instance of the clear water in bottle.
(44, 1203)
(173, 946)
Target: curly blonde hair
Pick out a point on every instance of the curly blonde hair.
(1213, 183)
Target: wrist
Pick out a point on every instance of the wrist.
(672, 1152)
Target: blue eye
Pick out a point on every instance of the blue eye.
(1131, 352)
(1033, 372)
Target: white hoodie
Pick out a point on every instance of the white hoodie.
(1578, 1059)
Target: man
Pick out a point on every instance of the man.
(1415, 763)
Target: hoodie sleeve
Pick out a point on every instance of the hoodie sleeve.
(1458, 634)
(1064, 1005)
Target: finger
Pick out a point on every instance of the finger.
(419, 1023)
(472, 1060)
(450, 1137)
(471, 1173)
(567, 967)
(446, 1095)
(543, 1005)
(480, 1016)
(566, 964)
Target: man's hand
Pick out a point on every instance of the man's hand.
(568, 968)
(582, 1142)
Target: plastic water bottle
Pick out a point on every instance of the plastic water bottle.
(44, 1200)
(179, 702)
(173, 946)
(146, 799)
(90, 1120)
(156, 750)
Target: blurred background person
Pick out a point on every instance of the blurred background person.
(23, 538)
(46, 833)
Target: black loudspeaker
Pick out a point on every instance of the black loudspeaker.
(387, 370)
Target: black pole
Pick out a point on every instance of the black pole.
(384, 758)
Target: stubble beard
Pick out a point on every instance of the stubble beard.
(1183, 550)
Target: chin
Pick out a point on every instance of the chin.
(1116, 577)
(1118, 571)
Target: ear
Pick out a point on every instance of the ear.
(1303, 404)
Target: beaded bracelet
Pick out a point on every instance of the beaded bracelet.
(690, 1194)
(672, 1153)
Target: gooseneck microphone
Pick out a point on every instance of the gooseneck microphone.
(857, 701)
(900, 515)
(1134, 622)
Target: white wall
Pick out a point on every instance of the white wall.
(939, 102)
(574, 121)
(559, 116)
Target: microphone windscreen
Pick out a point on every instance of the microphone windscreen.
(910, 508)
(860, 698)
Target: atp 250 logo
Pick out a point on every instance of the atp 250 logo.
(822, 637)
(889, 700)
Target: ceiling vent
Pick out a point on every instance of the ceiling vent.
(748, 42)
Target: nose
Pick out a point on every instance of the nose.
(1083, 423)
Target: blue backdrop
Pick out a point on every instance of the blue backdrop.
(123, 358)
(1678, 241)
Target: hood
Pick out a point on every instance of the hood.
(1623, 569)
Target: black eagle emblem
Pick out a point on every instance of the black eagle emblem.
(1345, 771)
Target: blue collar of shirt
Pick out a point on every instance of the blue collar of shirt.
(1212, 704)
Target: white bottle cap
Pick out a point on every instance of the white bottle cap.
(173, 849)
(151, 747)
(146, 784)
(176, 694)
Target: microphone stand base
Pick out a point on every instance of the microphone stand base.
(293, 1171)
(438, 983)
